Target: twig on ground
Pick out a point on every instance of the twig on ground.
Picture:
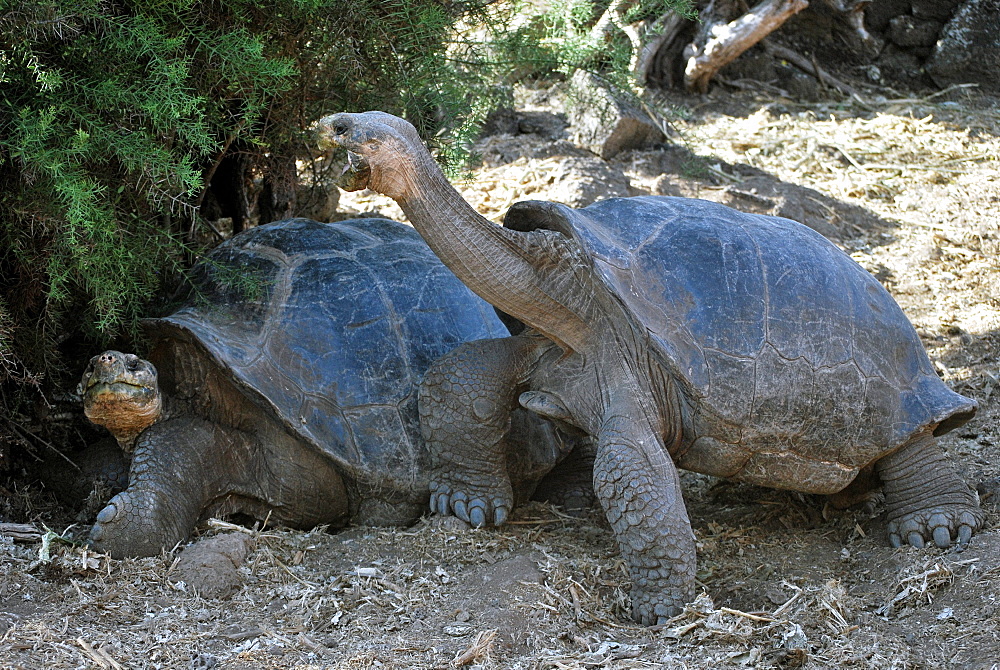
(811, 67)
(480, 648)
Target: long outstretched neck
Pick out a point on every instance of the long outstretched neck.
(504, 267)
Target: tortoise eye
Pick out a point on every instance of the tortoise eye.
(132, 363)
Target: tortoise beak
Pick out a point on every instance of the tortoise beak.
(355, 174)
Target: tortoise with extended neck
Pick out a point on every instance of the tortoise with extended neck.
(676, 333)
(286, 387)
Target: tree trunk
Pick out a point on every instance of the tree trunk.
(277, 196)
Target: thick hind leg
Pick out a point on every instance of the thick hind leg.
(925, 498)
(571, 484)
(466, 400)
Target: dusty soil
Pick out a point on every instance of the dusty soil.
(908, 186)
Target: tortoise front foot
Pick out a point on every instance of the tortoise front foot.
(943, 524)
(925, 498)
(655, 599)
(479, 505)
(662, 579)
(134, 524)
(466, 399)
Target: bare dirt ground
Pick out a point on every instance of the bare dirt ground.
(910, 187)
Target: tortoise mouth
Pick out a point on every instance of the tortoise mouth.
(356, 173)
(118, 392)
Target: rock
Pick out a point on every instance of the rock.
(968, 50)
(898, 63)
(581, 181)
(210, 567)
(507, 121)
(502, 121)
(603, 122)
(543, 124)
(878, 14)
(937, 10)
(907, 31)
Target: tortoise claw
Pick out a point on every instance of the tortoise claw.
(438, 503)
(477, 517)
(473, 505)
(479, 513)
(500, 515)
(459, 508)
(944, 527)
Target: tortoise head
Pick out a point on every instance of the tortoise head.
(120, 392)
(384, 153)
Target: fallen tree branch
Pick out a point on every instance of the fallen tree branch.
(809, 67)
(718, 44)
(21, 532)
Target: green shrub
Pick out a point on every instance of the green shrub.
(116, 114)
(113, 113)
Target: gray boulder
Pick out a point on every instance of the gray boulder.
(603, 121)
(968, 50)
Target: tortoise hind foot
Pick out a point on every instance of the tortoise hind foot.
(943, 524)
(480, 505)
(925, 499)
(130, 526)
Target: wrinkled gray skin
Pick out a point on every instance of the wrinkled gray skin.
(286, 388)
(674, 332)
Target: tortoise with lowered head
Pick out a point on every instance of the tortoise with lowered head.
(676, 333)
(286, 387)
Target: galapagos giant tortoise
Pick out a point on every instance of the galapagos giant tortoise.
(677, 333)
(286, 386)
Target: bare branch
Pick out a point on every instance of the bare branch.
(718, 44)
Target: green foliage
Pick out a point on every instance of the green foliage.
(562, 36)
(108, 115)
(113, 113)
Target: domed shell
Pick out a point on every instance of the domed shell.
(797, 367)
(330, 327)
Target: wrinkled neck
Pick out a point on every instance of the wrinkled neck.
(497, 263)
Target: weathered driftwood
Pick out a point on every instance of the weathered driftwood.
(719, 43)
(727, 31)
(21, 532)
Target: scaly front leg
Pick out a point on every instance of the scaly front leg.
(638, 486)
(173, 471)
